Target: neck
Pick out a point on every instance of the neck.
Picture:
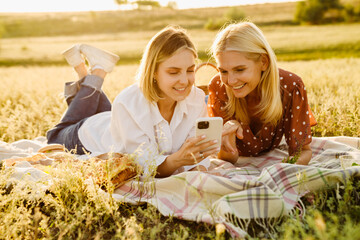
(252, 102)
(253, 97)
(166, 108)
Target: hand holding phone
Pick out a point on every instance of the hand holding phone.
(211, 127)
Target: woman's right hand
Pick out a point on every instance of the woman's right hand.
(191, 152)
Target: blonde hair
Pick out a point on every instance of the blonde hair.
(246, 37)
(162, 46)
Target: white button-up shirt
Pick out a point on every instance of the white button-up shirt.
(135, 125)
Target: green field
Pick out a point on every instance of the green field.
(33, 72)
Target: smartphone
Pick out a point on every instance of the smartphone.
(211, 127)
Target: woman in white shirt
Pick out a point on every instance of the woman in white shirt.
(154, 118)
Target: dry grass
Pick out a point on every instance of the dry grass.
(31, 101)
(333, 88)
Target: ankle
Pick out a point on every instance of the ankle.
(99, 72)
(81, 70)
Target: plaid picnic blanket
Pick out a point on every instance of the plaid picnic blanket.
(260, 189)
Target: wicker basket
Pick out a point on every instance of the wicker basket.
(204, 87)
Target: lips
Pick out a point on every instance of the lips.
(180, 89)
(239, 87)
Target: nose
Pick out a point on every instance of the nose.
(231, 79)
(184, 79)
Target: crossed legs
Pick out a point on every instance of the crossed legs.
(84, 97)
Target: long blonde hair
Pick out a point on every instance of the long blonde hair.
(247, 38)
(162, 46)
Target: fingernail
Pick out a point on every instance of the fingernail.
(215, 141)
(203, 136)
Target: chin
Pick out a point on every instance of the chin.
(240, 95)
(181, 97)
(178, 99)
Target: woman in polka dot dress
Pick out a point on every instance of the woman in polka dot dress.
(259, 102)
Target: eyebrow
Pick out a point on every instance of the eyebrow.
(238, 66)
(176, 68)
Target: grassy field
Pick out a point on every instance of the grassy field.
(289, 42)
(38, 38)
(33, 73)
(31, 102)
(33, 95)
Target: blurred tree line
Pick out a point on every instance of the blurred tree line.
(325, 11)
(307, 12)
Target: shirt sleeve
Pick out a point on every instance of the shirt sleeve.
(297, 126)
(129, 137)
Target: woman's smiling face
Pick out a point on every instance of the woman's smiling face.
(239, 73)
(176, 75)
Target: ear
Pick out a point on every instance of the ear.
(264, 62)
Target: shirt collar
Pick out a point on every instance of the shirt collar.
(180, 109)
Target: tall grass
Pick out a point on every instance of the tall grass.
(72, 209)
(31, 100)
(333, 88)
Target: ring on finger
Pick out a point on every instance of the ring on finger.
(201, 154)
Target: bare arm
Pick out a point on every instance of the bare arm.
(305, 155)
(168, 166)
(228, 156)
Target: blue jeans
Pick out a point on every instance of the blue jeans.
(85, 100)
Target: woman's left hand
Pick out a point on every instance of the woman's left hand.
(305, 155)
(231, 130)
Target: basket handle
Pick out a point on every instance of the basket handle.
(204, 87)
(205, 64)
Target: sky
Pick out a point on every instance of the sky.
(100, 5)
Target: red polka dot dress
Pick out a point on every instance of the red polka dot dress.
(295, 123)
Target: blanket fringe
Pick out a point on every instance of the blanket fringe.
(266, 224)
(299, 207)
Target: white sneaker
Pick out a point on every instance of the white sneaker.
(73, 55)
(102, 58)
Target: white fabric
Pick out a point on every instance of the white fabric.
(135, 125)
(21, 148)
